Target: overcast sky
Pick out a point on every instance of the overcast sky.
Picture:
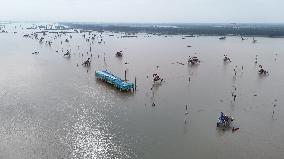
(184, 11)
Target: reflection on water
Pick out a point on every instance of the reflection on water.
(90, 137)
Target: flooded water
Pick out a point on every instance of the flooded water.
(50, 108)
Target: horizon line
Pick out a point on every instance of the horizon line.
(38, 21)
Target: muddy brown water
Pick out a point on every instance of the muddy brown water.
(50, 108)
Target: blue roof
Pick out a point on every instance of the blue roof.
(118, 82)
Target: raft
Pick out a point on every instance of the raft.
(114, 80)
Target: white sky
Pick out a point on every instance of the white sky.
(184, 11)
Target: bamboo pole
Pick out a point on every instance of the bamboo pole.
(135, 84)
(125, 75)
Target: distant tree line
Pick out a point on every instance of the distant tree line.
(269, 30)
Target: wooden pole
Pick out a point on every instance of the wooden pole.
(135, 84)
(125, 75)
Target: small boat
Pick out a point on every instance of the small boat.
(114, 80)
(35, 53)
(263, 72)
(222, 38)
(157, 79)
(193, 60)
(235, 129)
(119, 54)
(224, 120)
(226, 58)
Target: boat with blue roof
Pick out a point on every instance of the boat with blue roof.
(114, 80)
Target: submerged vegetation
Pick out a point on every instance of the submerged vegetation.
(268, 30)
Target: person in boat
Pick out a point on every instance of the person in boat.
(119, 54)
(262, 71)
(193, 60)
(157, 78)
(226, 58)
(224, 117)
(67, 53)
(87, 62)
(224, 120)
(36, 52)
